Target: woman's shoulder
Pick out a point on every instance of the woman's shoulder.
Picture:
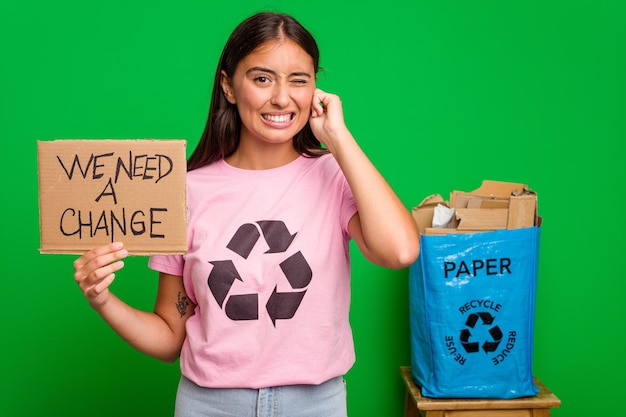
(205, 169)
(324, 160)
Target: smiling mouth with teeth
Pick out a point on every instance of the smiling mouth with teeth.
(278, 118)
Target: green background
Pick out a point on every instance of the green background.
(441, 95)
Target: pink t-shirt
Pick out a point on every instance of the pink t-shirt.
(268, 267)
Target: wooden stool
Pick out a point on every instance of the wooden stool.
(537, 406)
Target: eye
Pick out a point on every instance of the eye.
(261, 79)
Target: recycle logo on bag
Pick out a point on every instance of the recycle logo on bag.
(488, 345)
(480, 333)
(295, 269)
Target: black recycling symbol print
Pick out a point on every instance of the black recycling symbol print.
(280, 305)
(489, 345)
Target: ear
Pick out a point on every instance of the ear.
(227, 88)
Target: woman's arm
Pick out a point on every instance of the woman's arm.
(383, 228)
(159, 334)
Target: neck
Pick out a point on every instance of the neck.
(262, 156)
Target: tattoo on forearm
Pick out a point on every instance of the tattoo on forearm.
(182, 304)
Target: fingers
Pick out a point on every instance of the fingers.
(328, 105)
(317, 104)
(96, 252)
(95, 291)
(95, 270)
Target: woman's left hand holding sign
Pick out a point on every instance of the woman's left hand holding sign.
(95, 270)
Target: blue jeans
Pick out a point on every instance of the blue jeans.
(325, 400)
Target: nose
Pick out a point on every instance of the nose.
(280, 95)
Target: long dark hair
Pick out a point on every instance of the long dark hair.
(223, 127)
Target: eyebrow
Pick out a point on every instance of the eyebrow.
(270, 71)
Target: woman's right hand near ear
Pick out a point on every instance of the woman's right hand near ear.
(95, 270)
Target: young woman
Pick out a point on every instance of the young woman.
(258, 308)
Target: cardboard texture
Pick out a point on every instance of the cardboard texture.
(423, 213)
(489, 190)
(482, 218)
(93, 192)
(495, 205)
(522, 211)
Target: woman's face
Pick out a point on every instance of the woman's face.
(272, 88)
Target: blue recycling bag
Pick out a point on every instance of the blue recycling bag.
(472, 302)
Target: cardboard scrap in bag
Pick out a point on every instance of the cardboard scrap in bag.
(495, 205)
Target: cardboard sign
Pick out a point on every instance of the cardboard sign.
(94, 192)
